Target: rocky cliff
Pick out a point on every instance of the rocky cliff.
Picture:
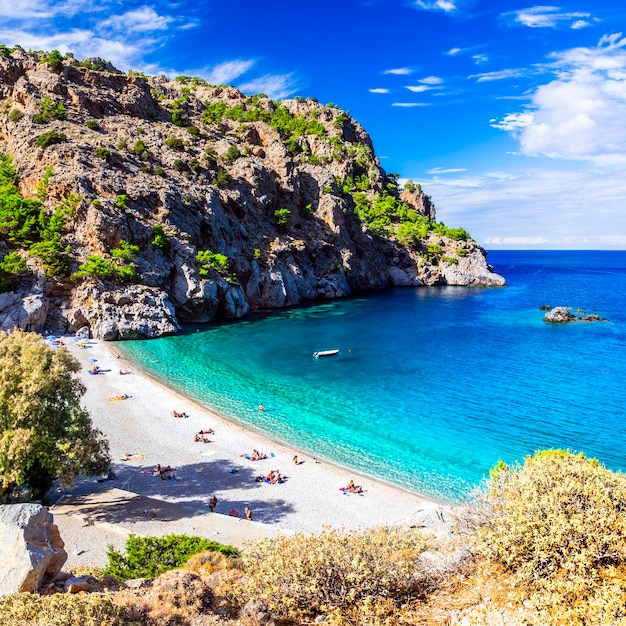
(131, 204)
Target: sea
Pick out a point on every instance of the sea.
(432, 386)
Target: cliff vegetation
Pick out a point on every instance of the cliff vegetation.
(131, 204)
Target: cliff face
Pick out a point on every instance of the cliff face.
(229, 204)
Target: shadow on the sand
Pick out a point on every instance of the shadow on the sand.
(182, 497)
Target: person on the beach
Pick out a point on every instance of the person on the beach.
(248, 513)
(212, 504)
(261, 407)
(295, 459)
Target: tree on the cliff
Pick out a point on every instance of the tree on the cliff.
(44, 433)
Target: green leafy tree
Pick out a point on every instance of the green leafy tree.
(282, 216)
(147, 557)
(211, 261)
(50, 138)
(44, 433)
(160, 239)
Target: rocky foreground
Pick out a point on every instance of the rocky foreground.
(144, 203)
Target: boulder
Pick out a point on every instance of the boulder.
(31, 549)
(559, 315)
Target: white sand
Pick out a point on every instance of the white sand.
(308, 500)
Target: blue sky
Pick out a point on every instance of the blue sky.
(512, 115)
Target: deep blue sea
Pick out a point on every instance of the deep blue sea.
(432, 386)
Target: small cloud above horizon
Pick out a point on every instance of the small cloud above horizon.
(550, 17)
(228, 71)
(399, 71)
(409, 105)
(379, 90)
(447, 6)
(276, 86)
(449, 170)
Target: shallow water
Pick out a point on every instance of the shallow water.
(432, 386)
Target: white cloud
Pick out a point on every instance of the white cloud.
(535, 206)
(399, 71)
(449, 170)
(144, 19)
(580, 114)
(276, 87)
(497, 75)
(379, 90)
(480, 59)
(409, 105)
(549, 17)
(225, 73)
(436, 5)
(453, 51)
(431, 80)
(43, 9)
(417, 88)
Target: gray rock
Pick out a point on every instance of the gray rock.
(559, 315)
(31, 549)
(74, 585)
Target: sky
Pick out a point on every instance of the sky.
(510, 114)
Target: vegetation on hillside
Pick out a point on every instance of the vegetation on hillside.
(44, 433)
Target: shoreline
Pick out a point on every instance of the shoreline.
(309, 500)
(129, 365)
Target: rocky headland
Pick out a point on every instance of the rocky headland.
(131, 204)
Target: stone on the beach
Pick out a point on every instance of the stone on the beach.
(74, 585)
(31, 549)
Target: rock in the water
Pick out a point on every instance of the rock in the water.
(31, 548)
(559, 315)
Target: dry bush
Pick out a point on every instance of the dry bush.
(173, 599)
(336, 573)
(558, 524)
(206, 563)
(29, 609)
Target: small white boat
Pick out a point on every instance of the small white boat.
(317, 355)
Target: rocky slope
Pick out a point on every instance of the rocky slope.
(168, 202)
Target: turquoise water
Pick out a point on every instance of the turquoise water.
(432, 386)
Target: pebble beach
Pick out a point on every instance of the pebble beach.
(136, 415)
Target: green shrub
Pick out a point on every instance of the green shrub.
(13, 263)
(222, 178)
(306, 210)
(122, 144)
(96, 267)
(450, 259)
(433, 252)
(327, 189)
(179, 118)
(282, 216)
(211, 261)
(139, 148)
(50, 138)
(92, 124)
(462, 252)
(102, 153)
(302, 576)
(159, 239)
(175, 143)
(179, 165)
(194, 131)
(159, 171)
(232, 154)
(147, 557)
(256, 254)
(16, 115)
(122, 201)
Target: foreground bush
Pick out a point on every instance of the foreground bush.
(147, 557)
(29, 609)
(336, 572)
(558, 524)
